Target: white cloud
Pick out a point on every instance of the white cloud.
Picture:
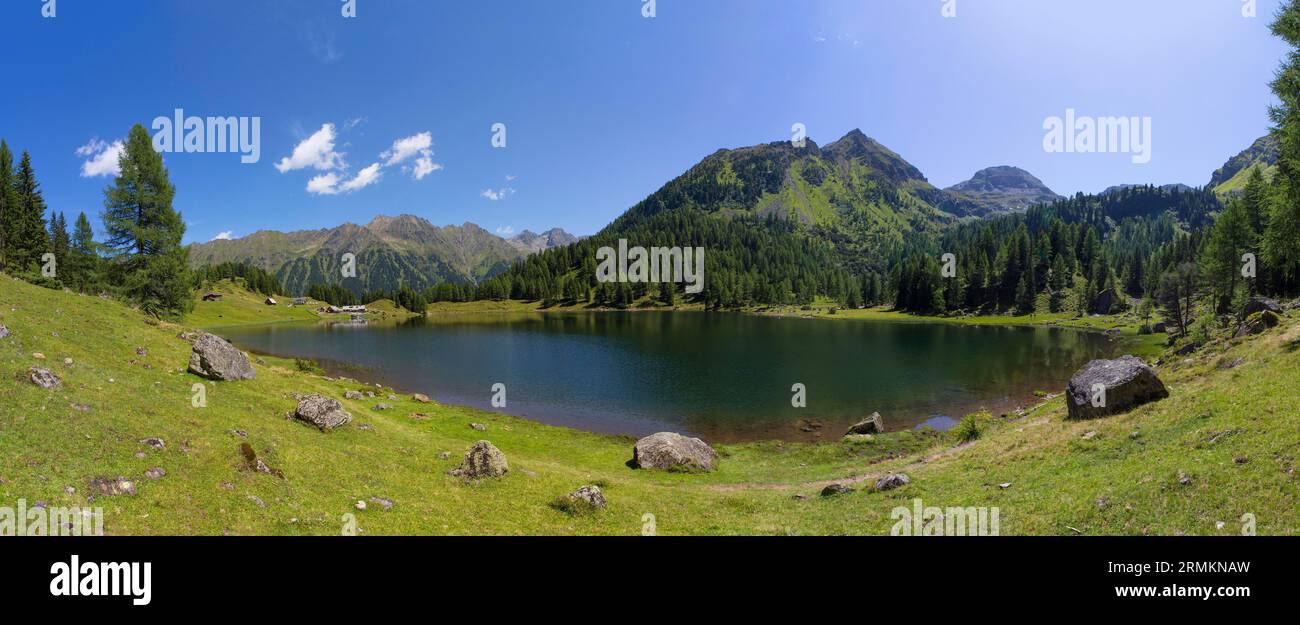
(316, 151)
(407, 147)
(424, 166)
(418, 146)
(103, 158)
(325, 184)
(363, 179)
(497, 195)
(224, 236)
(505, 231)
(511, 178)
(332, 184)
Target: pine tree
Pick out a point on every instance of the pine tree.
(83, 257)
(60, 243)
(145, 232)
(1282, 234)
(1229, 240)
(26, 239)
(8, 205)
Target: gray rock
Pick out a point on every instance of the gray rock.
(1128, 383)
(112, 487)
(322, 412)
(836, 489)
(43, 378)
(4, 332)
(875, 424)
(353, 395)
(382, 502)
(216, 359)
(1260, 304)
(892, 481)
(588, 497)
(155, 473)
(1258, 323)
(482, 460)
(673, 452)
(383, 406)
(156, 443)
(478, 426)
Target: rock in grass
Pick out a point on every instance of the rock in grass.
(43, 378)
(155, 473)
(110, 487)
(1260, 304)
(1127, 382)
(836, 489)
(353, 395)
(322, 412)
(587, 498)
(421, 398)
(215, 358)
(1258, 323)
(482, 460)
(875, 424)
(4, 332)
(673, 452)
(892, 481)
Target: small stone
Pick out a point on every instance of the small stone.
(240, 433)
(43, 378)
(140, 351)
(1220, 525)
(156, 443)
(38, 355)
(81, 407)
(421, 398)
(227, 486)
(361, 505)
(835, 489)
(70, 490)
(139, 455)
(892, 481)
(444, 455)
(353, 395)
(1004, 485)
(383, 407)
(386, 504)
(257, 500)
(1184, 479)
(112, 487)
(587, 497)
(67, 362)
(155, 473)
(1102, 502)
(478, 426)
(420, 416)
(392, 398)
(1089, 435)
(874, 424)
(1241, 460)
(4, 332)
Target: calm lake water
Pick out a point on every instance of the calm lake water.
(725, 377)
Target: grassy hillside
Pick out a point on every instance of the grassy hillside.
(1238, 450)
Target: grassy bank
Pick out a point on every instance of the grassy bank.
(1237, 450)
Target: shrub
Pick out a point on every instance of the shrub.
(968, 429)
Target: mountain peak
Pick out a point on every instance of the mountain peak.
(1004, 188)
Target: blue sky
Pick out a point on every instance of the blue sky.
(602, 105)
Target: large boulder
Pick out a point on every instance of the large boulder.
(875, 424)
(673, 452)
(482, 460)
(322, 412)
(1128, 383)
(1258, 323)
(216, 359)
(1260, 304)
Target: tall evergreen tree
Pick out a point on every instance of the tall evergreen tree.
(1282, 235)
(83, 257)
(145, 232)
(26, 239)
(60, 243)
(8, 206)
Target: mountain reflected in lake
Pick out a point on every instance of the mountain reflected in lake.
(726, 377)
